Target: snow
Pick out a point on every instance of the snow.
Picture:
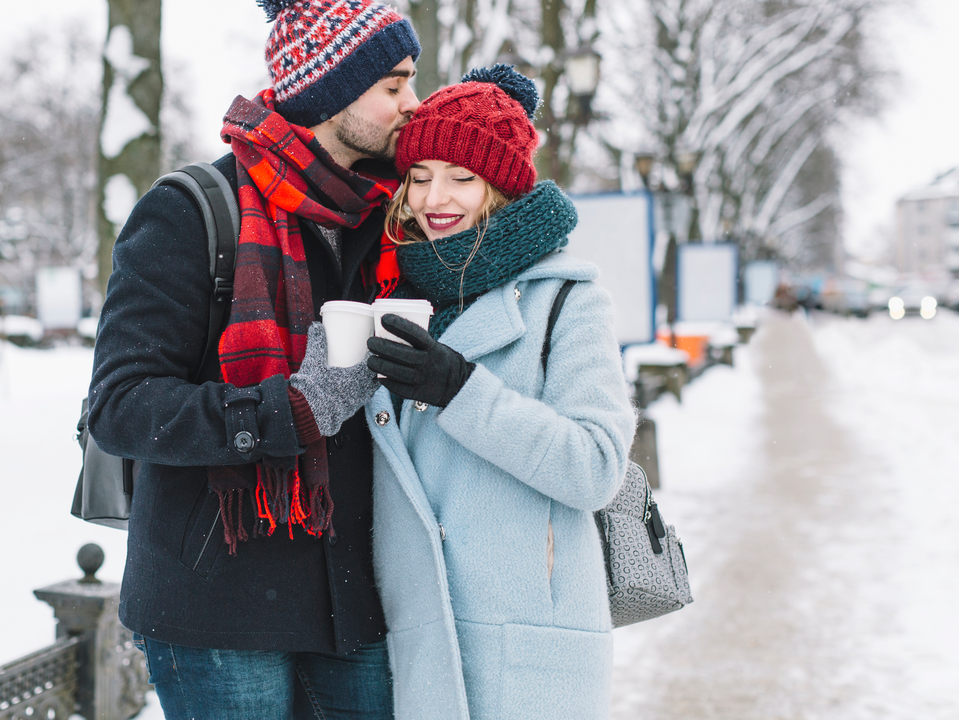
(124, 120)
(655, 353)
(120, 195)
(87, 328)
(17, 325)
(119, 51)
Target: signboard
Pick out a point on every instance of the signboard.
(59, 297)
(615, 233)
(760, 279)
(706, 281)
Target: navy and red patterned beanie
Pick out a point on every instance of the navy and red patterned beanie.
(324, 54)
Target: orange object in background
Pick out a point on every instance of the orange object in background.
(694, 345)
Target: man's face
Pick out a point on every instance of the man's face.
(370, 125)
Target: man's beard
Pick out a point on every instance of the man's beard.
(364, 137)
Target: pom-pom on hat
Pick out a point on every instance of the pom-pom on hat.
(482, 124)
(324, 54)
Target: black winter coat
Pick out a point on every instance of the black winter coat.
(180, 585)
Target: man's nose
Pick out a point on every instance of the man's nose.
(408, 101)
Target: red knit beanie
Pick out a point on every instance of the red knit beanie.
(482, 124)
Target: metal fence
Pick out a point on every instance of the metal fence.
(93, 669)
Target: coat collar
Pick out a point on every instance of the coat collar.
(498, 311)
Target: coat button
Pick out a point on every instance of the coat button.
(332, 539)
(243, 441)
(420, 406)
(516, 293)
(382, 418)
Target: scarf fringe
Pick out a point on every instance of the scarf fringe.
(279, 498)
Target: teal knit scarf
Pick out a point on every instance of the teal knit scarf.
(516, 237)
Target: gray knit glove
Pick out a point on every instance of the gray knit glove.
(333, 393)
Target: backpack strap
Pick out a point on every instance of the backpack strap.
(213, 194)
(552, 320)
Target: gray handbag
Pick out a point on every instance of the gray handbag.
(646, 568)
(105, 486)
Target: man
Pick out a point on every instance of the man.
(249, 583)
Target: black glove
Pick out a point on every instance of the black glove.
(426, 370)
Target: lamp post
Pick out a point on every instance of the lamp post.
(582, 68)
(643, 162)
(687, 160)
(686, 164)
(579, 70)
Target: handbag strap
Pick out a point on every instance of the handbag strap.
(552, 320)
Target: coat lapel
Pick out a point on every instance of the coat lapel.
(497, 313)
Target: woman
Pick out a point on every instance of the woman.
(486, 477)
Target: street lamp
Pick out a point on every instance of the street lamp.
(643, 162)
(582, 68)
(686, 164)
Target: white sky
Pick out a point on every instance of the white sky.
(219, 46)
(918, 136)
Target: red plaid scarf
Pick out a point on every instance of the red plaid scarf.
(283, 173)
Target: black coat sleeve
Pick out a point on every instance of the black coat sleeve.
(153, 328)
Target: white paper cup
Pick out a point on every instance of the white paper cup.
(347, 325)
(416, 311)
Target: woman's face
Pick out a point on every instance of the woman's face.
(444, 198)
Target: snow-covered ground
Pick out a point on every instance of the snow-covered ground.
(862, 621)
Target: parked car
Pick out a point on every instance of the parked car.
(915, 298)
(951, 296)
(879, 298)
(846, 296)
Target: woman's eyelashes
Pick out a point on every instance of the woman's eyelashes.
(423, 180)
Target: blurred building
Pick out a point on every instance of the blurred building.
(927, 241)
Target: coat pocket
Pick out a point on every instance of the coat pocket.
(203, 535)
(426, 670)
(551, 673)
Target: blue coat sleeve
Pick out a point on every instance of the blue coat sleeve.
(153, 328)
(572, 443)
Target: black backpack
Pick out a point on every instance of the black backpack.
(105, 487)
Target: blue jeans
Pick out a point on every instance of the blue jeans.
(199, 684)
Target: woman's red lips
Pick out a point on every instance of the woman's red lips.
(442, 221)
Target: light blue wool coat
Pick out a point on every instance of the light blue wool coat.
(464, 498)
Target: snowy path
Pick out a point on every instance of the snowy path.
(815, 489)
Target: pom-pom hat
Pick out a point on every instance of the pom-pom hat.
(324, 54)
(482, 124)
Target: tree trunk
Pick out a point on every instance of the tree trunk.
(424, 16)
(549, 159)
(129, 161)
